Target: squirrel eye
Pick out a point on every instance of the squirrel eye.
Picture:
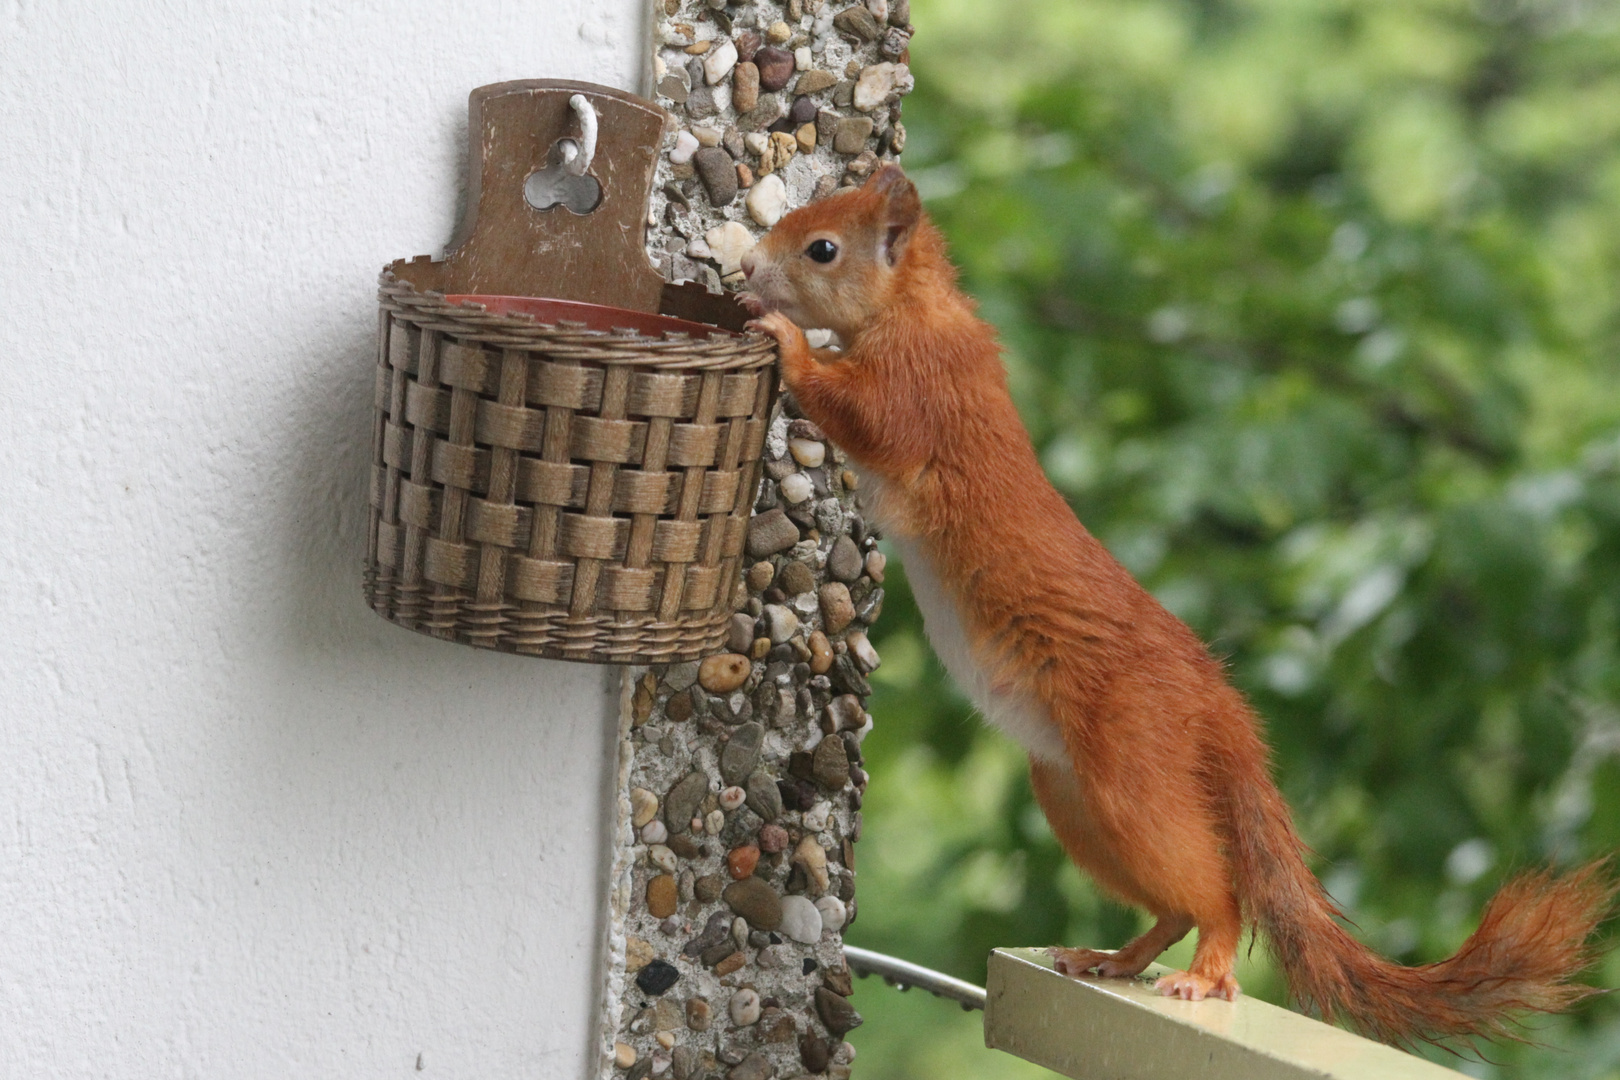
(823, 251)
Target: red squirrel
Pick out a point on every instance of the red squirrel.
(1150, 766)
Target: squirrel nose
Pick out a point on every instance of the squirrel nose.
(748, 264)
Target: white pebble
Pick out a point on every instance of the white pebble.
(661, 857)
(800, 920)
(686, 145)
(879, 9)
(732, 797)
(739, 931)
(728, 243)
(756, 141)
(845, 1054)
(866, 656)
(878, 81)
(714, 822)
(808, 452)
(698, 248)
(662, 1059)
(796, 487)
(744, 1007)
(818, 339)
(717, 63)
(801, 58)
(815, 818)
(767, 200)
(833, 913)
(806, 603)
(654, 832)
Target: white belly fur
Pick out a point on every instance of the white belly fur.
(1018, 715)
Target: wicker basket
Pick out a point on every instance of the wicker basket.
(559, 478)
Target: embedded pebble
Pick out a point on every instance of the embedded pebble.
(778, 32)
(755, 901)
(654, 832)
(800, 920)
(684, 798)
(661, 857)
(846, 712)
(852, 134)
(767, 200)
(860, 647)
(815, 818)
(730, 242)
(764, 797)
(779, 150)
(681, 676)
(814, 82)
(661, 896)
(757, 142)
(740, 862)
(859, 22)
(802, 59)
(637, 954)
(773, 838)
(833, 913)
(776, 67)
(796, 488)
(878, 81)
(724, 672)
(830, 765)
(719, 175)
(698, 1013)
(813, 857)
(780, 622)
(836, 1012)
(821, 653)
(794, 580)
(732, 797)
(837, 609)
(686, 145)
(717, 63)
(714, 822)
(759, 578)
(707, 136)
(844, 560)
(876, 561)
(808, 453)
(772, 531)
(755, 1066)
(657, 977)
(745, 87)
(643, 806)
(744, 1007)
(740, 633)
(624, 1055)
(740, 754)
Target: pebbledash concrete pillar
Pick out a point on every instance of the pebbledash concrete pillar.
(740, 778)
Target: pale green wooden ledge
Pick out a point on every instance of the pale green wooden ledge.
(1119, 1029)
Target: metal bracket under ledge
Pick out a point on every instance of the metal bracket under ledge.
(1120, 1029)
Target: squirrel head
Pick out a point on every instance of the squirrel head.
(835, 263)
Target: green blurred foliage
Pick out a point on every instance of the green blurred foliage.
(1311, 308)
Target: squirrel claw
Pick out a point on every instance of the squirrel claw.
(753, 302)
(776, 325)
(1190, 987)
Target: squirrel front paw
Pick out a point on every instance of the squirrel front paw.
(753, 302)
(786, 332)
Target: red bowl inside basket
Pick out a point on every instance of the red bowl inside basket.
(594, 316)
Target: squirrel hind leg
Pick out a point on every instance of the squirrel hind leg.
(1210, 974)
(1129, 961)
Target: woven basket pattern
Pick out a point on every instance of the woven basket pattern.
(558, 491)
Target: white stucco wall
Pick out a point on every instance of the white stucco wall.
(247, 829)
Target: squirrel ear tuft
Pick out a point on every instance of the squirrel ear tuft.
(902, 208)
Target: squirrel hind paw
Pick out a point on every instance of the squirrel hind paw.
(1192, 987)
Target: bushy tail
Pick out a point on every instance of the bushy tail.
(1531, 941)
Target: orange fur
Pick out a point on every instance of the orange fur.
(1161, 789)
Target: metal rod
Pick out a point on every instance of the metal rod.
(903, 975)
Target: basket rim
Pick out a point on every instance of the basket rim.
(711, 345)
(594, 318)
